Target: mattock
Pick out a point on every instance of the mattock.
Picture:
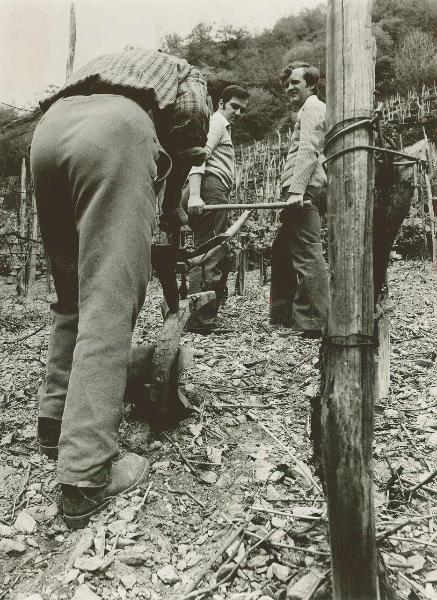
(167, 404)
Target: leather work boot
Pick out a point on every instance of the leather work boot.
(80, 504)
(49, 431)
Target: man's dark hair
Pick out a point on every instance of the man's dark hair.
(311, 74)
(234, 91)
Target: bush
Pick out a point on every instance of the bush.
(410, 242)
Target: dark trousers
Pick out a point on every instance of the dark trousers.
(213, 275)
(299, 284)
(93, 161)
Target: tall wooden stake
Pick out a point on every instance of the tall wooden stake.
(348, 395)
(72, 42)
(21, 274)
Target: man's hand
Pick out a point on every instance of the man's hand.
(195, 205)
(298, 200)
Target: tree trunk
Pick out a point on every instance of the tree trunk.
(348, 394)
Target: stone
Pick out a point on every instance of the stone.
(70, 576)
(168, 574)
(433, 392)
(300, 589)
(133, 559)
(432, 440)
(118, 527)
(88, 563)
(128, 581)
(11, 547)
(83, 592)
(127, 514)
(259, 560)
(431, 576)
(280, 572)
(6, 531)
(25, 523)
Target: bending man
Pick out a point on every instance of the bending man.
(101, 151)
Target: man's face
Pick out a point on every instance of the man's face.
(297, 89)
(233, 109)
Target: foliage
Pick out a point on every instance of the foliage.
(415, 63)
(264, 113)
(410, 242)
(405, 35)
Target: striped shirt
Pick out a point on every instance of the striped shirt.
(221, 155)
(303, 165)
(169, 87)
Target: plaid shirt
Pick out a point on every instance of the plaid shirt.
(169, 87)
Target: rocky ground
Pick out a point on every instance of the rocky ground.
(232, 509)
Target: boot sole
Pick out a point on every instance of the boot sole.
(79, 521)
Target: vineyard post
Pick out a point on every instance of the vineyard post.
(429, 200)
(349, 389)
(21, 272)
(72, 42)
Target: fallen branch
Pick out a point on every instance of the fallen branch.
(424, 481)
(286, 514)
(230, 540)
(189, 494)
(210, 589)
(289, 546)
(296, 462)
(181, 454)
(389, 532)
(23, 487)
(424, 487)
(415, 541)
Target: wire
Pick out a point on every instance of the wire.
(17, 107)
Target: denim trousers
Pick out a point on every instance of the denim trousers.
(299, 281)
(93, 161)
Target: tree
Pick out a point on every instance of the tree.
(262, 117)
(415, 62)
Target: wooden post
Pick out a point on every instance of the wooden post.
(428, 189)
(33, 247)
(432, 218)
(72, 42)
(414, 208)
(349, 386)
(21, 272)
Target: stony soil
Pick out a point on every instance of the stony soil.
(232, 496)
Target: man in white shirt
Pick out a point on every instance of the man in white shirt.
(299, 286)
(211, 183)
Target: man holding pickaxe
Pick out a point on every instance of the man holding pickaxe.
(299, 284)
(211, 183)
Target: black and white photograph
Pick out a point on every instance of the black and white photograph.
(218, 300)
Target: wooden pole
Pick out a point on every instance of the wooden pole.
(72, 42)
(21, 273)
(33, 247)
(432, 220)
(349, 386)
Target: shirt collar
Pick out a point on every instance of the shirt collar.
(222, 118)
(308, 102)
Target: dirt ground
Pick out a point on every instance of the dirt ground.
(232, 506)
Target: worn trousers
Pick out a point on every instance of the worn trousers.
(299, 281)
(93, 161)
(213, 275)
